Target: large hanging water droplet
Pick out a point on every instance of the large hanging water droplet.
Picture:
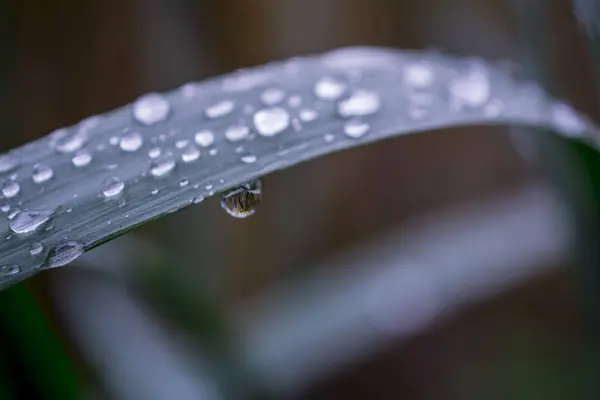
(112, 186)
(361, 103)
(272, 96)
(271, 121)
(329, 88)
(42, 173)
(204, 138)
(219, 109)
(7, 163)
(71, 142)
(162, 165)
(151, 108)
(36, 248)
(242, 201)
(29, 220)
(237, 132)
(63, 254)
(473, 89)
(82, 159)
(355, 128)
(7, 270)
(131, 141)
(10, 189)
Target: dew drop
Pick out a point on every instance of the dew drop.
(295, 101)
(7, 163)
(329, 137)
(112, 186)
(131, 141)
(154, 152)
(219, 109)
(236, 133)
(361, 103)
(198, 199)
(271, 121)
(180, 144)
(190, 154)
(249, 159)
(184, 182)
(204, 138)
(151, 109)
(473, 89)
(356, 128)
(82, 159)
(213, 152)
(71, 142)
(10, 189)
(42, 173)
(29, 220)
(419, 74)
(162, 165)
(272, 96)
(7, 270)
(308, 115)
(241, 202)
(5, 208)
(36, 248)
(113, 140)
(329, 88)
(154, 192)
(63, 254)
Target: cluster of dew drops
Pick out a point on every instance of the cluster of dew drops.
(278, 113)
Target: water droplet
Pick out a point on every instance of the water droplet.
(566, 119)
(5, 208)
(162, 165)
(7, 163)
(190, 154)
(249, 158)
(7, 270)
(154, 153)
(308, 114)
(204, 138)
(154, 191)
(208, 187)
(198, 199)
(10, 189)
(419, 74)
(82, 159)
(63, 254)
(42, 173)
(241, 202)
(295, 101)
(329, 88)
(131, 141)
(184, 182)
(272, 96)
(361, 103)
(113, 140)
(180, 144)
(356, 128)
(151, 108)
(112, 186)
(69, 143)
(36, 248)
(271, 121)
(329, 137)
(473, 89)
(29, 220)
(213, 152)
(219, 109)
(236, 133)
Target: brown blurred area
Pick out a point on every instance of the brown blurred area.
(72, 59)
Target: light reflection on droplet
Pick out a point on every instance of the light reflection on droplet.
(42, 173)
(131, 141)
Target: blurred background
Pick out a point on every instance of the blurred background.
(437, 266)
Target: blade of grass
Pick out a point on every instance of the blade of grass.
(387, 93)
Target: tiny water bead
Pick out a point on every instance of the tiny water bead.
(241, 202)
(329, 88)
(81, 159)
(204, 138)
(63, 254)
(271, 121)
(329, 137)
(112, 186)
(7, 163)
(355, 128)
(154, 152)
(7, 270)
(29, 220)
(272, 96)
(42, 173)
(162, 165)
(473, 89)
(190, 154)
(249, 158)
(419, 74)
(219, 109)
(236, 133)
(151, 109)
(131, 141)
(184, 182)
(154, 192)
(36, 248)
(70, 142)
(360, 104)
(308, 115)
(10, 189)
